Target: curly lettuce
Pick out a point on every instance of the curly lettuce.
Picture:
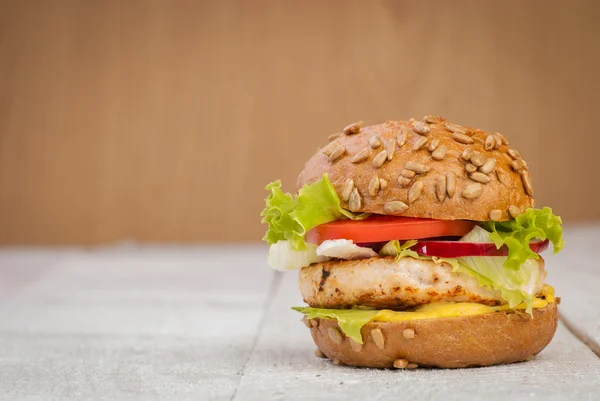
(516, 234)
(290, 217)
(395, 248)
(516, 276)
(349, 320)
(516, 286)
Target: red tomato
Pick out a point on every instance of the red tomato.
(378, 228)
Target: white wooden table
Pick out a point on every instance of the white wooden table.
(214, 323)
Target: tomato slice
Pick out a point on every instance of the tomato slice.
(379, 228)
(457, 249)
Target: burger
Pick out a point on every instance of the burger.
(418, 245)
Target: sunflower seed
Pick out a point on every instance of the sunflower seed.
(347, 189)
(495, 215)
(479, 177)
(478, 159)
(455, 128)
(440, 189)
(379, 159)
(450, 183)
(314, 323)
(356, 346)
(433, 145)
(402, 136)
(355, 202)
(390, 148)
(329, 148)
(415, 191)
(514, 153)
(400, 363)
(471, 168)
(335, 335)
(418, 168)
(408, 174)
(462, 138)
(472, 191)
(502, 138)
(514, 211)
(421, 128)
(502, 177)
(383, 184)
(395, 207)
(490, 143)
(319, 353)
(306, 322)
(334, 136)
(375, 142)
(412, 366)
(374, 186)
(337, 153)
(404, 181)
(420, 143)
(433, 119)
(409, 333)
(488, 166)
(412, 120)
(526, 178)
(353, 128)
(498, 140)
(360, 156)
(378, 338)
(517, 165)
(439, 153)
(467, 154)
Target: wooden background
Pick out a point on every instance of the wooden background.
(163, 120)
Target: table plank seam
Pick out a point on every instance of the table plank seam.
(580, 335)
(261, 324)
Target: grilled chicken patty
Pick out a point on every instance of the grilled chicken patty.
(384, 283)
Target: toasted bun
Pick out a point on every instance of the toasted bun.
(481, 340)
(428, 169)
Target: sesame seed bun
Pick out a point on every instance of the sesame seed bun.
(481, 340)
(429, 168)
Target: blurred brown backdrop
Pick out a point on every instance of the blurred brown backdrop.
(164, 120)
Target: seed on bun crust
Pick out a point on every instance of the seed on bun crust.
(416, 158)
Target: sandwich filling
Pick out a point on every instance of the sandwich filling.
(358, 268)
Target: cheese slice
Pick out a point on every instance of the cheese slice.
(459, 309)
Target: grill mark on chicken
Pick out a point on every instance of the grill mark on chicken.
(324, 274)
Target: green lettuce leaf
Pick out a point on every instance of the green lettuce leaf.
(350, 320)
(516, 234)
(515, 284)
(290, 217)
(394, 248)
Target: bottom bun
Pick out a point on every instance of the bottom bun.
(481, 340)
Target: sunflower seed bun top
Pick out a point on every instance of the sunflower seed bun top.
(430, 168)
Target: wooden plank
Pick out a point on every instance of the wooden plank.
(283, 367)
(164, 323)
(119, 118)
(576, 276)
